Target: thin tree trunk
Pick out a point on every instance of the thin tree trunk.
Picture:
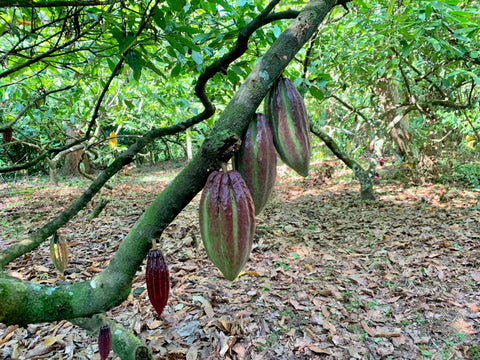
(364, 176)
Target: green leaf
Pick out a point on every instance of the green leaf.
(276, 31)
(176, 5)
(134, 60)
(197, 57)
(175, 44)
(111, 64)
(159, 18)
(316, 93)
(176, 70)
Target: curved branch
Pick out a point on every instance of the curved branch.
(364, 176)
(241, 46)
(25, 302)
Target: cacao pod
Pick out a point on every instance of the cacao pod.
(227, 221)
(7, 135)
(285, 111)
(256, 161)
(158, 281)
(59, 252)
(104, 341)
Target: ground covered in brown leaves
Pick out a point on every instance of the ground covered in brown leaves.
(330, 276)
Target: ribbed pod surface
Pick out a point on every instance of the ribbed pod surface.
(286, 113)
(227, 221)
(256, 161)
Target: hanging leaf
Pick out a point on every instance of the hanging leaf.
(113, 143)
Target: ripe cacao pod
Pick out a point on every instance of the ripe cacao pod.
(59, 252)
(158, 281)
(104, 341)
(256, 161)
(285, 111)
(227, 221)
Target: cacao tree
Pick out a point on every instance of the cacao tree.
(162, 69)
(135, 30)
(400, 75)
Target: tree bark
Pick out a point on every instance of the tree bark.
(24, 302)
(72, 158)
(396, 122)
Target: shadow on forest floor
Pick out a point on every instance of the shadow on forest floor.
(330, 276)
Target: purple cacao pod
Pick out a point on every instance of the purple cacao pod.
(256, 161)
(227, 221)
(158, 281)
(286, 113)
(104, 341)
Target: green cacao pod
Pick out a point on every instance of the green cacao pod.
(104, 341)
(256, 161)
(285, 111)
(158, 281)
(227, 221)
(59, 252)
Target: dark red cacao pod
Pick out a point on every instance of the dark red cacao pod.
(158, 281)
(227, 221)
(256, 161)
(7, 135)
(287, 115)
(104, 341)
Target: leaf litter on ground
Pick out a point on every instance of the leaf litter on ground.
(329, 277)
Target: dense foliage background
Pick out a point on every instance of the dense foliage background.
(404, 74)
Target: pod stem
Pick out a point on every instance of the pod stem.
(224, 167)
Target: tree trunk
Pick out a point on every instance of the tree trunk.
(72, 159)
(364, 176)
(397, 124)
(366, 186)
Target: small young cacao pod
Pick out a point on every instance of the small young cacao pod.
(256, 161)
(59, 252)
(227, 221)
(285, 111)
(158, 282)
(104, 341)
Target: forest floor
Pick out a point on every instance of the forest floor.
(329, 277)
